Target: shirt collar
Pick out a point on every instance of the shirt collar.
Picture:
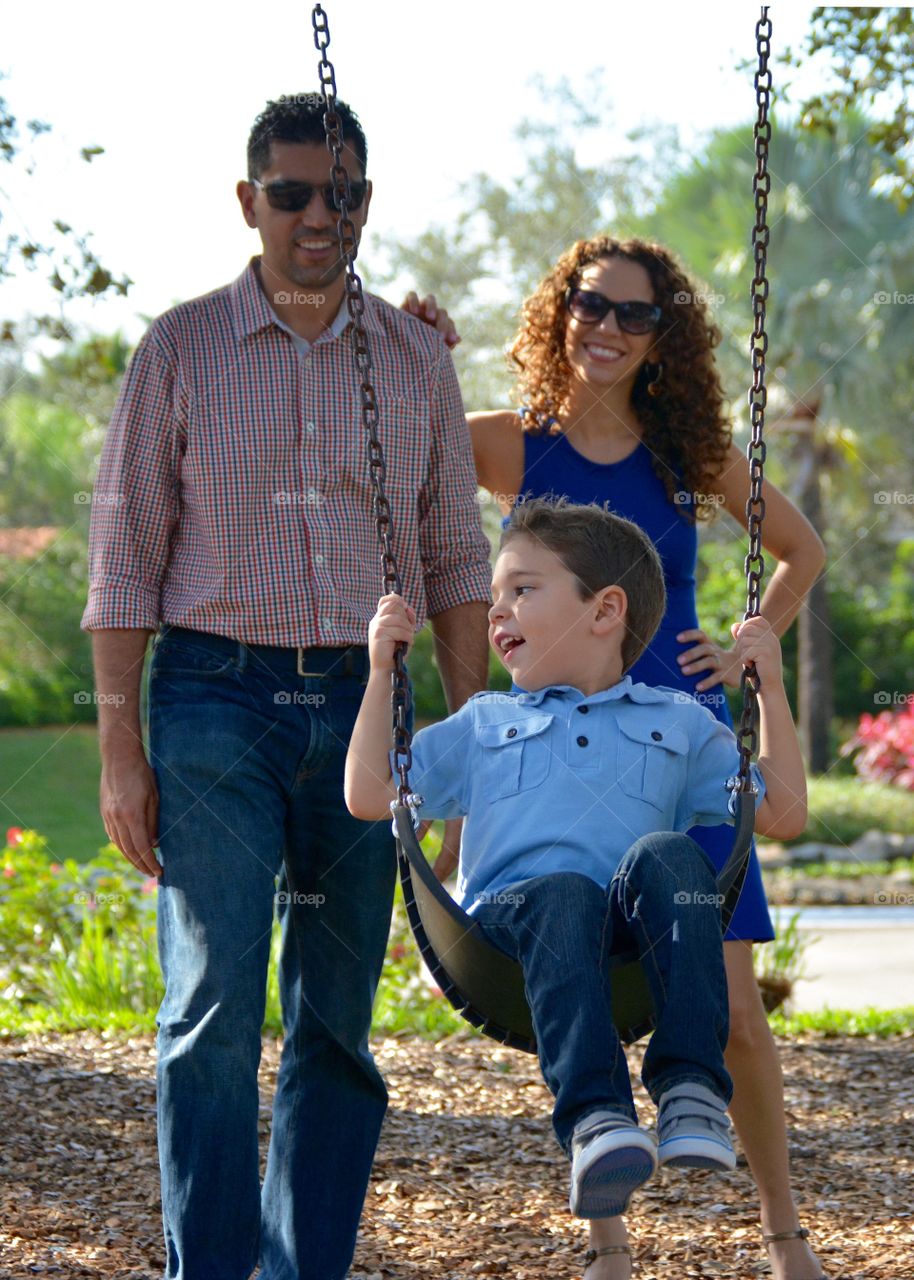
(251, 313)
(623, 688)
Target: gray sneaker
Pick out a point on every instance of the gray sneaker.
(694, 1129)
(611, 1158)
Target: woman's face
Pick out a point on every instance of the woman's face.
(602, 355)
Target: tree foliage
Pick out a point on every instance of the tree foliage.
(63, 256)
(870, 57)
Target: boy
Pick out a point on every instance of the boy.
(576, 791)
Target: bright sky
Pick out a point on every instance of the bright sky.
(171, 91)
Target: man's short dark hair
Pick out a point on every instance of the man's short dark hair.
(299, 117)
(601, 550)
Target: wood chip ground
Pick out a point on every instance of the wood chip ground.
(468, 1181)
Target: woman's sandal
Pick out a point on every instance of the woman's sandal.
(592, 1254)
(801, 1233)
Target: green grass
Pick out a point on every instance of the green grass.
(881, 1023)
(844, 870)
(49, 783)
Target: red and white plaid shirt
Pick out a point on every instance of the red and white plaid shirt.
(234, 495)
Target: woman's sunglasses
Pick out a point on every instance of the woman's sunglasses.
(292, 197)
(590, 307)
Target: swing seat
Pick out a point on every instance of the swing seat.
(484, 985)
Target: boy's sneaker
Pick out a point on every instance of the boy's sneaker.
(694, 1129)
(611, 1158)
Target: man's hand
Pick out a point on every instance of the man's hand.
(129, 803)
(429, 312)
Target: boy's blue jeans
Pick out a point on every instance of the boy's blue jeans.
(562, 928)
(248, 757)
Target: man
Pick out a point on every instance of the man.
(237, 521)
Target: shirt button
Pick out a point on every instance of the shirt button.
(656, 735)
(582, 741)
(326, 623)
(583, 710)
(318, 559)
(309, 427)
(512, 733)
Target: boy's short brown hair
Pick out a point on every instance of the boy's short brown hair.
(601, 550)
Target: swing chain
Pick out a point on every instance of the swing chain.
(333, 127)
(758, 395)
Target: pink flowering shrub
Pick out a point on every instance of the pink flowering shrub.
(883, 746)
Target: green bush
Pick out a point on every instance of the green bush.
(77, 940)
(841, 809)
(78, 950)
(45, 660)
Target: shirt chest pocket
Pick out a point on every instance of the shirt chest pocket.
(651, 761)
(514, 756)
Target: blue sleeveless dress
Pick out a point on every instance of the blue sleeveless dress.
(631, 488)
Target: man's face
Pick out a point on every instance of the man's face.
(300, 248)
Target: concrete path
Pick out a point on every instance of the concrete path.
(855, 960)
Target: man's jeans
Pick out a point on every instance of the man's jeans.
(562, 928)
(248, 757)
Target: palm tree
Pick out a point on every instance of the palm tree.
(837, 251)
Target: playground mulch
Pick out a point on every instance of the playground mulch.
(468, 1181)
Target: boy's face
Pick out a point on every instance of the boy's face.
(542, 630)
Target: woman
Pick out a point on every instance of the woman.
(622, 403)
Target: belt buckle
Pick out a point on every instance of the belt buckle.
(299, 664)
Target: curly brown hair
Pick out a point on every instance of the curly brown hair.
(685, 426)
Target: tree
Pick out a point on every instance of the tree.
(69, 264)
(871, 62)
(839, 346)
(512, 230)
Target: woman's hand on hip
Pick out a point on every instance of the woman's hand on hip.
(722, 665)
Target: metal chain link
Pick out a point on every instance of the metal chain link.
(758, 395)
(333, 126)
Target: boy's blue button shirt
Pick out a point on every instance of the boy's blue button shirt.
(556, 781)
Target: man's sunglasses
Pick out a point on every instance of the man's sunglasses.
(590, 307)
(292, 197)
